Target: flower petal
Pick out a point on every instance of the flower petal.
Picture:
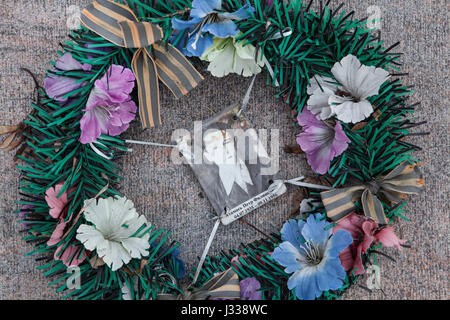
(114, 255)
(250, 289)
(348, 111)
(90, 127)
(304, 282)
(292, 232)
(341, 141)
(201, 8)
(307, 119)
(314, 230)
(70, 256)
(338, 242)
(360, 80)
(178, 24)
(137, 247)
(243, 13)
(222, 29)
(90, 237)
(66, 62)
(388, 238)
(288, 256)
(56, 204)
(55, 238)
(117, 83)
(198, 43)
(318, 104)
(58, 86)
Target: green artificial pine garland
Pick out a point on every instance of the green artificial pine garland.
(318, 40)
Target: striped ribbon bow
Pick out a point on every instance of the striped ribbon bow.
(118, 24)
(395, 186)
(225, 285)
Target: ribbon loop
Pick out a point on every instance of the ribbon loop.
(395, 186)
(118, 24)
(140, 34)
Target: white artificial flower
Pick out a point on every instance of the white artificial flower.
(320, 90)
(116, 231)
(346, 97)
(230, 56)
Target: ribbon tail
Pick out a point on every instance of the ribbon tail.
(372, 207)
(174, 70)
(144, 68)
(225, 285)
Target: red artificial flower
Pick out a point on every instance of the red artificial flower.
(364, 232)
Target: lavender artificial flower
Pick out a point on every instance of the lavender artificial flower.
(109, 109)
(57, 86)
(250, 289)
(321, 141)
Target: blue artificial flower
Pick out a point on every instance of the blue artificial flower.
(178, 262)
(311, 253)
(207, 20)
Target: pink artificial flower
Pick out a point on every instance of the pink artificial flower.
(109, 108)
(364, 232)
(58, 210)
(56, 204)
(388, 238)
(71, 255)
(320, 141)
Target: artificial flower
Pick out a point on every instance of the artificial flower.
(109, 108)
(346, 97)
(179, 262)
(227, 56)
(321, 141)
(58, 86)
(250, 289)
(24, 211)
(320, 89)
(364, 232)
(58, 206)
(118, 232)
(311, 253)
(71, 255)
(99, 50)
(207, 19)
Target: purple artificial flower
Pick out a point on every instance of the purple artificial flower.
(321, 141)
(102, 50)
(58, 86)
(24, 211)
(109, 109)
(250, 289)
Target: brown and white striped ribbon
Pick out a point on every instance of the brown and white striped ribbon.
(224, 285)
(118, 24)
(403, 180)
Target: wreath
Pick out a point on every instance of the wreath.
(345, 93)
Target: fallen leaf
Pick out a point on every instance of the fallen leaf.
(96, 262)
(293, 149)
(359, 126)
(377, 115)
